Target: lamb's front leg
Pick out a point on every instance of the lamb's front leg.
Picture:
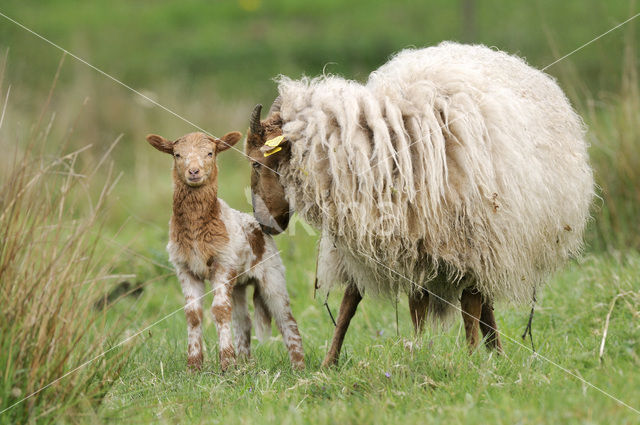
(223, 281)
(193, 290)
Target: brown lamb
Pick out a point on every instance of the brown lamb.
(208, 240)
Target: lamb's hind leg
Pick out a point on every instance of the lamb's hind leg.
(418, 302)
(193, 290)
(348, 308)
(489, 327)
(262, 317)
(241, 321)
(273, 291)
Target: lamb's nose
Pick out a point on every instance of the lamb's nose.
(194, 172)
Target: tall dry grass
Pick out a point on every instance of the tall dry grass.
(52, 270)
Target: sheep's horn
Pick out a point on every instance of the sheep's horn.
(275, 107)
(254, 122)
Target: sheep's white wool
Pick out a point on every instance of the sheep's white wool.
(453, 165)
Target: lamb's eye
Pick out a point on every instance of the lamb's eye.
(210, 154)
(177, 155)
(255, 165)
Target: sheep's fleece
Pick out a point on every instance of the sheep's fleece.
(454, 165)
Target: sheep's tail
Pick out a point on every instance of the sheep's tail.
(262, 317)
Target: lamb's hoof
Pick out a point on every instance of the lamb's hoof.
(243, 358)
(227, 362)
(296, 357)
(194, 363)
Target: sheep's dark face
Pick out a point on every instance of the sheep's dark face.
(195, 155)
(270, 207)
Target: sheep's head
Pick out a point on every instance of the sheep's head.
(194, 155)
(270, 207)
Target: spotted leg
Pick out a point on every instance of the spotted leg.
(193, 290)
(273, 292)
(223, 282)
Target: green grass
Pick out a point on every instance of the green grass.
(379, 380)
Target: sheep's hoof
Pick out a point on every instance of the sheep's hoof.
(499, 351)
(330, 361)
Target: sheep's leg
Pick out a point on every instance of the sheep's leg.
(262, 316)
(348, 308)
(223, 283)
(471, 303)
(241, 321)
(418, 302)
(273, 291)
(193, 290)
(489, 328)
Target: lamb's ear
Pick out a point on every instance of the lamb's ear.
(228, 140)
(160, 143)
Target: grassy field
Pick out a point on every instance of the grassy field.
(85, 202)
(384, 377)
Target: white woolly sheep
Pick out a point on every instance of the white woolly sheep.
(210, 240)
(457, 174)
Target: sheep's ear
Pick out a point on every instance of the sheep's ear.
(160, 143)
(274, 145)
(228, 140)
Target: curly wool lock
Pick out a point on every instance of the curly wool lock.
(453, 166)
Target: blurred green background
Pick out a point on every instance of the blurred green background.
(235, 47)
(210, 63)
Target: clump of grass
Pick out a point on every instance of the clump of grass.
(52, 270)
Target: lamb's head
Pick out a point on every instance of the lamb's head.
(194, 155)
(268, 150)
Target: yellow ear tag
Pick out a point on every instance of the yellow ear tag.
(272, 151)
(274, 142)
